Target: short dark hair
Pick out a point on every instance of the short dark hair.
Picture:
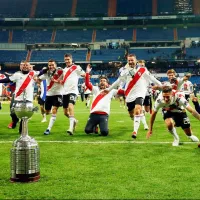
(68, 55)
(104, 77)
(51, 60)
(166, 88)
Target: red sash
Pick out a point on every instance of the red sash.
(25, 83)
(135, 79)
(97, 99)
(72, 68)
(55, 76)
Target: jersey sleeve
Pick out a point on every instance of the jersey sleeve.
(152, 78)
(14, 77)
(80, 71)
(183, 102)
(157, 105)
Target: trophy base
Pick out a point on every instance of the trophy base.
(26, 178)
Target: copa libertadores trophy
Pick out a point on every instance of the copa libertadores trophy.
(25, 152)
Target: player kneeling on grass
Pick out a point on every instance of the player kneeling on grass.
(173, 104)
(100, 107)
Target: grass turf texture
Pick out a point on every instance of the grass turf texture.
(114, 167)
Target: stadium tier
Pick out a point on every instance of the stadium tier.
(58, 55)
(73, 36)
(127, 7)
(85, 35)
(15, 8)
(51, 8)
(32, 36)
(12, 55)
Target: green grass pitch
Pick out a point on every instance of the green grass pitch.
(113, 167)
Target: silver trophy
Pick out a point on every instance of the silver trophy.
(25, 151)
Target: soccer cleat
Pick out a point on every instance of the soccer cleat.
(175, 143)
(10, 125)
(70, 131)
(75, 123)
(193, 138)
(134, 135)
(47, 132)
(44, 120)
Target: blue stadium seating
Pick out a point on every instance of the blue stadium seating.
(12, 55)
(165, 7)
(156, 53)
(74, 36)
(58, 55)
(193, 52)
(188, 32)
(15, 8)
(92, 8)
(103, 35)
(155, 34)
(32, 36)
(134, 7)
(107, 54)
(4, 36)
(52, 8)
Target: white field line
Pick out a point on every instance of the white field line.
(100, 142)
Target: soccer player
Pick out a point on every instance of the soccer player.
(173, 106)
(137, 80)
(71, 74)
(187, 88)
(54, 92)
(42, 90)
(100, 107)
(24, 80)
(87, 93)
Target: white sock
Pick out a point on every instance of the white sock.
(51, 122)
(136, 123)
(88, 102)
(71, 122)
(174, 133)
(44, 116)
(143, 119)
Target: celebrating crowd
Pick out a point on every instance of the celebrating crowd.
(59, 87)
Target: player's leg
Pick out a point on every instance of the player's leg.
(52, 103)
(91, 123)
(184, 122)
(170, 126)
(135, 114)
(103, 125)
(68, 108)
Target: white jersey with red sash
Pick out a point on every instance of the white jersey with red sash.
(177, 103)
(53, 88)
(70, 81)
(137, 82)
(24, 85)
(101, 103)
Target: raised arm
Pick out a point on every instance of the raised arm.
(87, 78)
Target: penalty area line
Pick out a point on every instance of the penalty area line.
(100, 142)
